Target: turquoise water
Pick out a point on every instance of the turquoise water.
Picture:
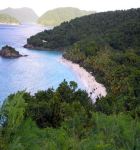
(39, 71)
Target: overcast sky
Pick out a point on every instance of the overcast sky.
(41, 6)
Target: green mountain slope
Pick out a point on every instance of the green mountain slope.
(59, 15)
(119, 29)
(106, 44)
(4, 18)
(24, 15)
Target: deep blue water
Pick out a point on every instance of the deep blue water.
(39, 71)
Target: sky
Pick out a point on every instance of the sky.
(41, 6)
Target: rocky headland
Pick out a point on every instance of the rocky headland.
(10, 52)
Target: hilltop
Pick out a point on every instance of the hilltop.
(57, 16)
(23, 15)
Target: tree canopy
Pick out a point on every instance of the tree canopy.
(63, 119)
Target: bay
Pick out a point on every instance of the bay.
(39, 71)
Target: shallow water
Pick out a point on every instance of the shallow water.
(39, 71)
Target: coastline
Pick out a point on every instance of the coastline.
(31, 47)
(93, 88)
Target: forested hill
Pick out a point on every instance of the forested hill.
(119, 29)
(106, 44)
(24, 15)
(8, 19)
(57, 16)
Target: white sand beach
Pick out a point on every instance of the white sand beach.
(93, 88)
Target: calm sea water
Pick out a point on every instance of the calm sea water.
(39, 71)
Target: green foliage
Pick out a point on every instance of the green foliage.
(11, 116)
(66, 118)
(112, 133)
(29, 137)
(118, 71)
(118, 29)
(46, 107)
(76, 55)
(13, 109)
(77, 130)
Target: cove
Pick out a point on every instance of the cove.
(39, 71)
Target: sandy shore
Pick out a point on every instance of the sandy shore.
(93, 88)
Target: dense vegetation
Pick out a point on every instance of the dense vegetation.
(118, 29)
(57, 16)
(8, 19)
(63, 119)
(106, 44)
(23, 15)
(118, 70)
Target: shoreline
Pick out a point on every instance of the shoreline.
(93, 88)
(31, 47)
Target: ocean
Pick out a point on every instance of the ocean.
(40, 70)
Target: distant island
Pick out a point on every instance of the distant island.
(23, 15)
(57, 16)
(10, 52)
(7, 19)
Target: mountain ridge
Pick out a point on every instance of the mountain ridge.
(23, 14)
(58, 15)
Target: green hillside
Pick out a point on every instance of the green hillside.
(106, 44)
(24, 15)
(118, 29)
(59, 15)
(4, 18)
